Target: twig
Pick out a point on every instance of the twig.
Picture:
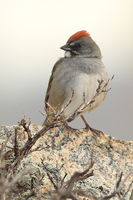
(80, 176)
(49, 106)
(38, 148)
(22, 153)
(28, 145)
(64, 189)
(130, 185)
(3, 147)
(83, 106)
(8, 182)
(26, 126)
(50, 177)
(16, 148)
(118, 187)
(69, 102)
(131, 197)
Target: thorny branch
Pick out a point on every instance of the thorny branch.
(64, 189)
(26, 126)
(30, 142)
(7, 182)
(118, 188)
(19, 154)
(102, 88)
(131, 197)
(16, 147)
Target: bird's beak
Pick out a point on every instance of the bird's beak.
(66, 47)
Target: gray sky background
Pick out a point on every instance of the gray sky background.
(31, 32)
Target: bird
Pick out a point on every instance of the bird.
(75, 79)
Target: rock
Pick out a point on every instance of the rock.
(55, 157)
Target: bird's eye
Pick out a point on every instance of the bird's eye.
(74, 46)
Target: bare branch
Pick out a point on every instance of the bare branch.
(130, 185)
(69, 102)
(101, 89)
(49, 106)
(50, 177)
(64, 189)
(9, 181)
(118, 187)
(16, 148)
(131, 197)
(26, 126)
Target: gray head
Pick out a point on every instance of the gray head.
(81, 44)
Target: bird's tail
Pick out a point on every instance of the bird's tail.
(48, 121)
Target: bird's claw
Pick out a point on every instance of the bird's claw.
(95, 131)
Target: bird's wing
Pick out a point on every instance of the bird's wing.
(84, 89)
(48, 97)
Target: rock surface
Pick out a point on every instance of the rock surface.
(63, 151)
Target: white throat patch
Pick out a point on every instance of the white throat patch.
(67, 54)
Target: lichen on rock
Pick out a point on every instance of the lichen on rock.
(59, 154)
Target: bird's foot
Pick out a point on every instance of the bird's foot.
(95, 131)
(68, 127)
(88, 127)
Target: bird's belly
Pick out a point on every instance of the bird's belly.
(98, 100)
(79, 91)
(71, 89)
